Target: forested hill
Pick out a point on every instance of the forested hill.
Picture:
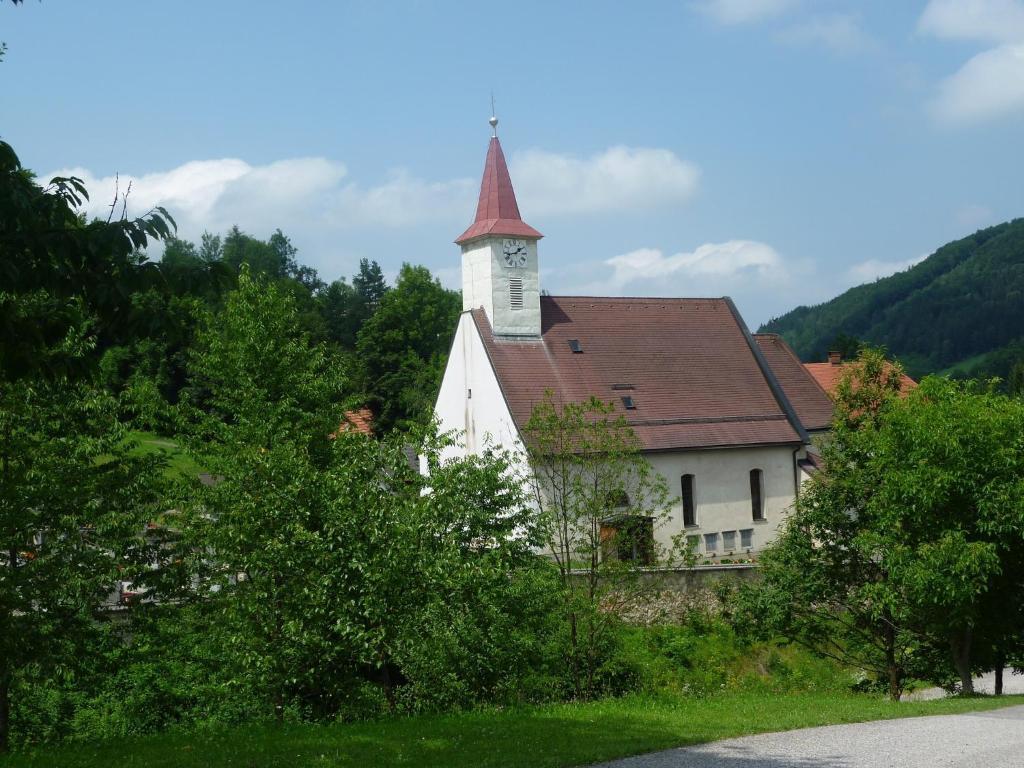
(959, 310)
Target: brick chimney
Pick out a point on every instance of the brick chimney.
(835, 358)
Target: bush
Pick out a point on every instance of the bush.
(704, 655)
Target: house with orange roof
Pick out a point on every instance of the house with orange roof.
(828, 375)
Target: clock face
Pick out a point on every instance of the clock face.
(514, 253)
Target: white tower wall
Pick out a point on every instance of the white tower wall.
(487, 282)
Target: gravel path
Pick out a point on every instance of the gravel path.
(982, 684)
(993, 739)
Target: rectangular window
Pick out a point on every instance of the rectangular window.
(757, 494)
(710, 542)
(515, 292)
(728, 540)
(689, 510)
(692, 543)
(747, 538)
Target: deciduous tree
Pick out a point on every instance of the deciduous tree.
(911, 539)
(599, 503)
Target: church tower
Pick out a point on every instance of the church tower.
(499, 255)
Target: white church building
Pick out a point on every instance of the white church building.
(725, 416)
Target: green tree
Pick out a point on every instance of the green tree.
(599, 502)
(846, 345)
(404, 346)
(61, 278)
(369, 284)
(72, 500)
(335, 564)
(1015, 382)
(909, 542)
(73, 504)
(346, 308)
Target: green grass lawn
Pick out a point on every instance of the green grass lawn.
(559, 735)
(179, 463)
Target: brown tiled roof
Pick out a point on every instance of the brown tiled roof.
(360, 421)
(695, 377)
(811, 463)
(828, 374)
(812, 403)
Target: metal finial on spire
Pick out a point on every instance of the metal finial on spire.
(494, 119)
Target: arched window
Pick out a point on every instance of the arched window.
(689, 508)
(757, 494)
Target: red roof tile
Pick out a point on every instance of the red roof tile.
(360, 421)
(497, 212)
(694, 375)
(812, 403)
(828, 374)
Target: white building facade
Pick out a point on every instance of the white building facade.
(724, 416)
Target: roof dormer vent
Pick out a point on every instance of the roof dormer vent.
(574, 345)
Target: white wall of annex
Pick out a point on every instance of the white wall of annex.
(722, 492)
(470, 400)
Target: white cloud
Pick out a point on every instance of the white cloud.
(842, 33)
(618, 179)
(214, 194)
(872, 269)
(735, 259)
(990, 85)
(743, 11)
(1000, 21)
(761, 281)
(404, 200)
(334, 219)
(317, 192)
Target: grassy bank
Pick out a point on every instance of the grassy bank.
(558, 735)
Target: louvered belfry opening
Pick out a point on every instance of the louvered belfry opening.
(515, 292)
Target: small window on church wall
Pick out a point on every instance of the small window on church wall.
(728, 540)
(757, 494)
(689, 509)
(515, 292)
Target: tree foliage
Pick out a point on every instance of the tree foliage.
(403, 347)
(599, 502)
(335, 565)
(60, 276)
(907, 549)
(72, 499)
(73, 506)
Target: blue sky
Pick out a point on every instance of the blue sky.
(778, 151)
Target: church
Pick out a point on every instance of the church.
(726, 417)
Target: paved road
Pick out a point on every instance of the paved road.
(992, 739)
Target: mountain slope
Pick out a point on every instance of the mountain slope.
(965, 302)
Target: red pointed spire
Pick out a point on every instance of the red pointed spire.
(497, 212)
